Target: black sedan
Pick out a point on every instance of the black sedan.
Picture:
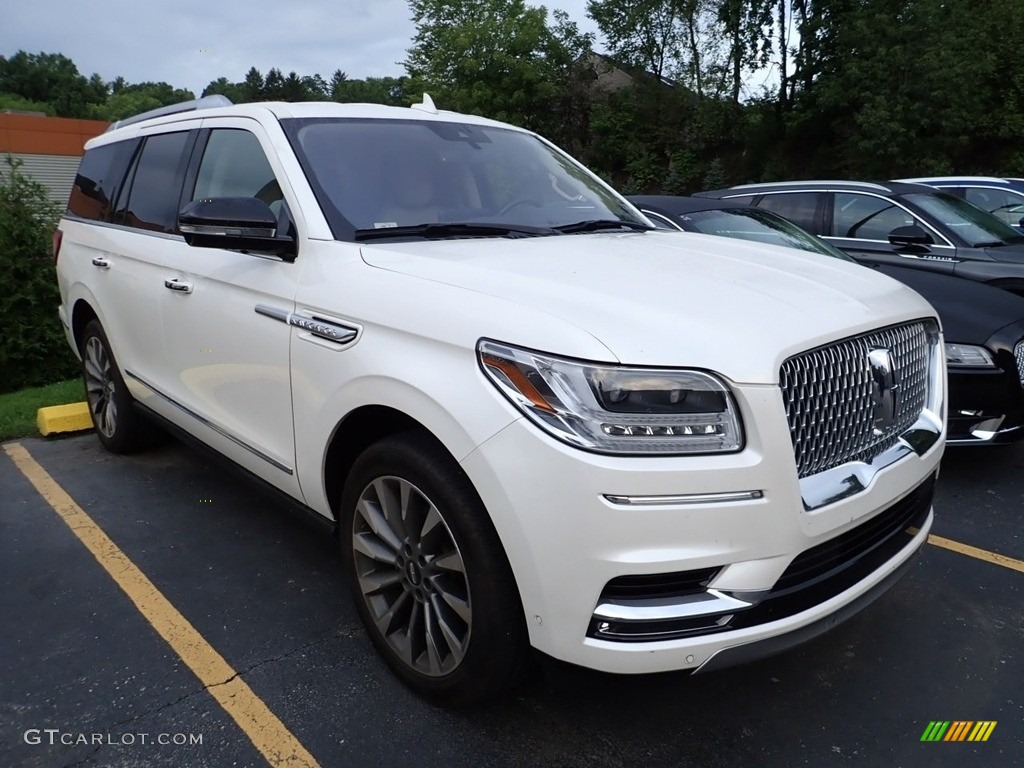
(983, 326)
(897, 223)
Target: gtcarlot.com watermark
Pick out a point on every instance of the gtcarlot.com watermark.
(54, 736)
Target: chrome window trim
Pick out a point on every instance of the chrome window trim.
(825, 190)
(124, 228)
(215, 427)
(899, 205)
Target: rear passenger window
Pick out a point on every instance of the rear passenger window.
(98, 181)
(799, 207)
(156, 184)
(234, 165)
(866, 217)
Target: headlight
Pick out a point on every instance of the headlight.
(616, 409)
(968, 356)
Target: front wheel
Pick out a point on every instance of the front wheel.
(428, 573)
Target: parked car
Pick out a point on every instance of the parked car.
(1003, 198)
(535, 420)
(897, 223)
(983, 326)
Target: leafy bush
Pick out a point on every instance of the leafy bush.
(33, 349)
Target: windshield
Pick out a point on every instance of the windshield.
(973, 225)
(760, 226)
(376, 175)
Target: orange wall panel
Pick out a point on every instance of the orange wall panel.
(34, 135)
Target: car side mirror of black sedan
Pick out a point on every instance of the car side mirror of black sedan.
(910, 235)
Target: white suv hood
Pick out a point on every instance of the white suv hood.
(668, 299)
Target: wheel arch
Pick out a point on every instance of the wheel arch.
(81, 314)
(357, 431)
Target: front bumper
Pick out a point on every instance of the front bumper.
(738, 517)
(986, 406)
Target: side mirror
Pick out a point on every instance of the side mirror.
(910, 235)
(234, 223)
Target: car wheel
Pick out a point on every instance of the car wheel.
(428, 574)
(118, 425)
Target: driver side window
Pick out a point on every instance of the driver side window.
(866, 217)
(234, 165)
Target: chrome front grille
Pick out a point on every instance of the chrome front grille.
(1018, 352)
(831, 399)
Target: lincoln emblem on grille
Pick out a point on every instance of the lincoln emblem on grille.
(884, 389)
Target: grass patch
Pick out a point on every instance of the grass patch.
(18, 409)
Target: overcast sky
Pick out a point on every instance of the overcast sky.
(188, 43)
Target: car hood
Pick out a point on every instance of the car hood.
(1013, 252)
(667, 299)
(970, 311)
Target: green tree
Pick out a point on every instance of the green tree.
(133, 99)
(886, 89)
(252, 86)
(51, 78)
(33, 349)
(224, 87)
(497, 58)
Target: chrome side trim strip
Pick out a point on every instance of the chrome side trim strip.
(274, 312)
(686, 498)
(219, 430)
(321, 327)
(708, 603)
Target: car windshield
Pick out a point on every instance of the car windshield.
(760, 226)
(433, 179)
(973, 225)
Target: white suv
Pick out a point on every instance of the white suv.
(535, 420)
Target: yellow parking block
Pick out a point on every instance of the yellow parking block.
(63, 418)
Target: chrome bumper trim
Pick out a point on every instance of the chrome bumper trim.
(850, 479)
(686, 498)
(710, 602)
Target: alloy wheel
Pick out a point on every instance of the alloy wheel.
(411, 576)
(100, 386)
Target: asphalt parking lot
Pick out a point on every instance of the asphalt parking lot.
(86, 679)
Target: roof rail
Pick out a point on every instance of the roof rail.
(926, 179)
(207, 102)
(811, 182)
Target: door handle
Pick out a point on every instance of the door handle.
(178, 285)
(99, 261)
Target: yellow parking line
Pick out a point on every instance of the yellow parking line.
(981, 554)
(268, 734)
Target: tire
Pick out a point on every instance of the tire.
(119, 426)
(438, 598)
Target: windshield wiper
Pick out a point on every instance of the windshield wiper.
(594, 225)
(990, 244)
(443, 230)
